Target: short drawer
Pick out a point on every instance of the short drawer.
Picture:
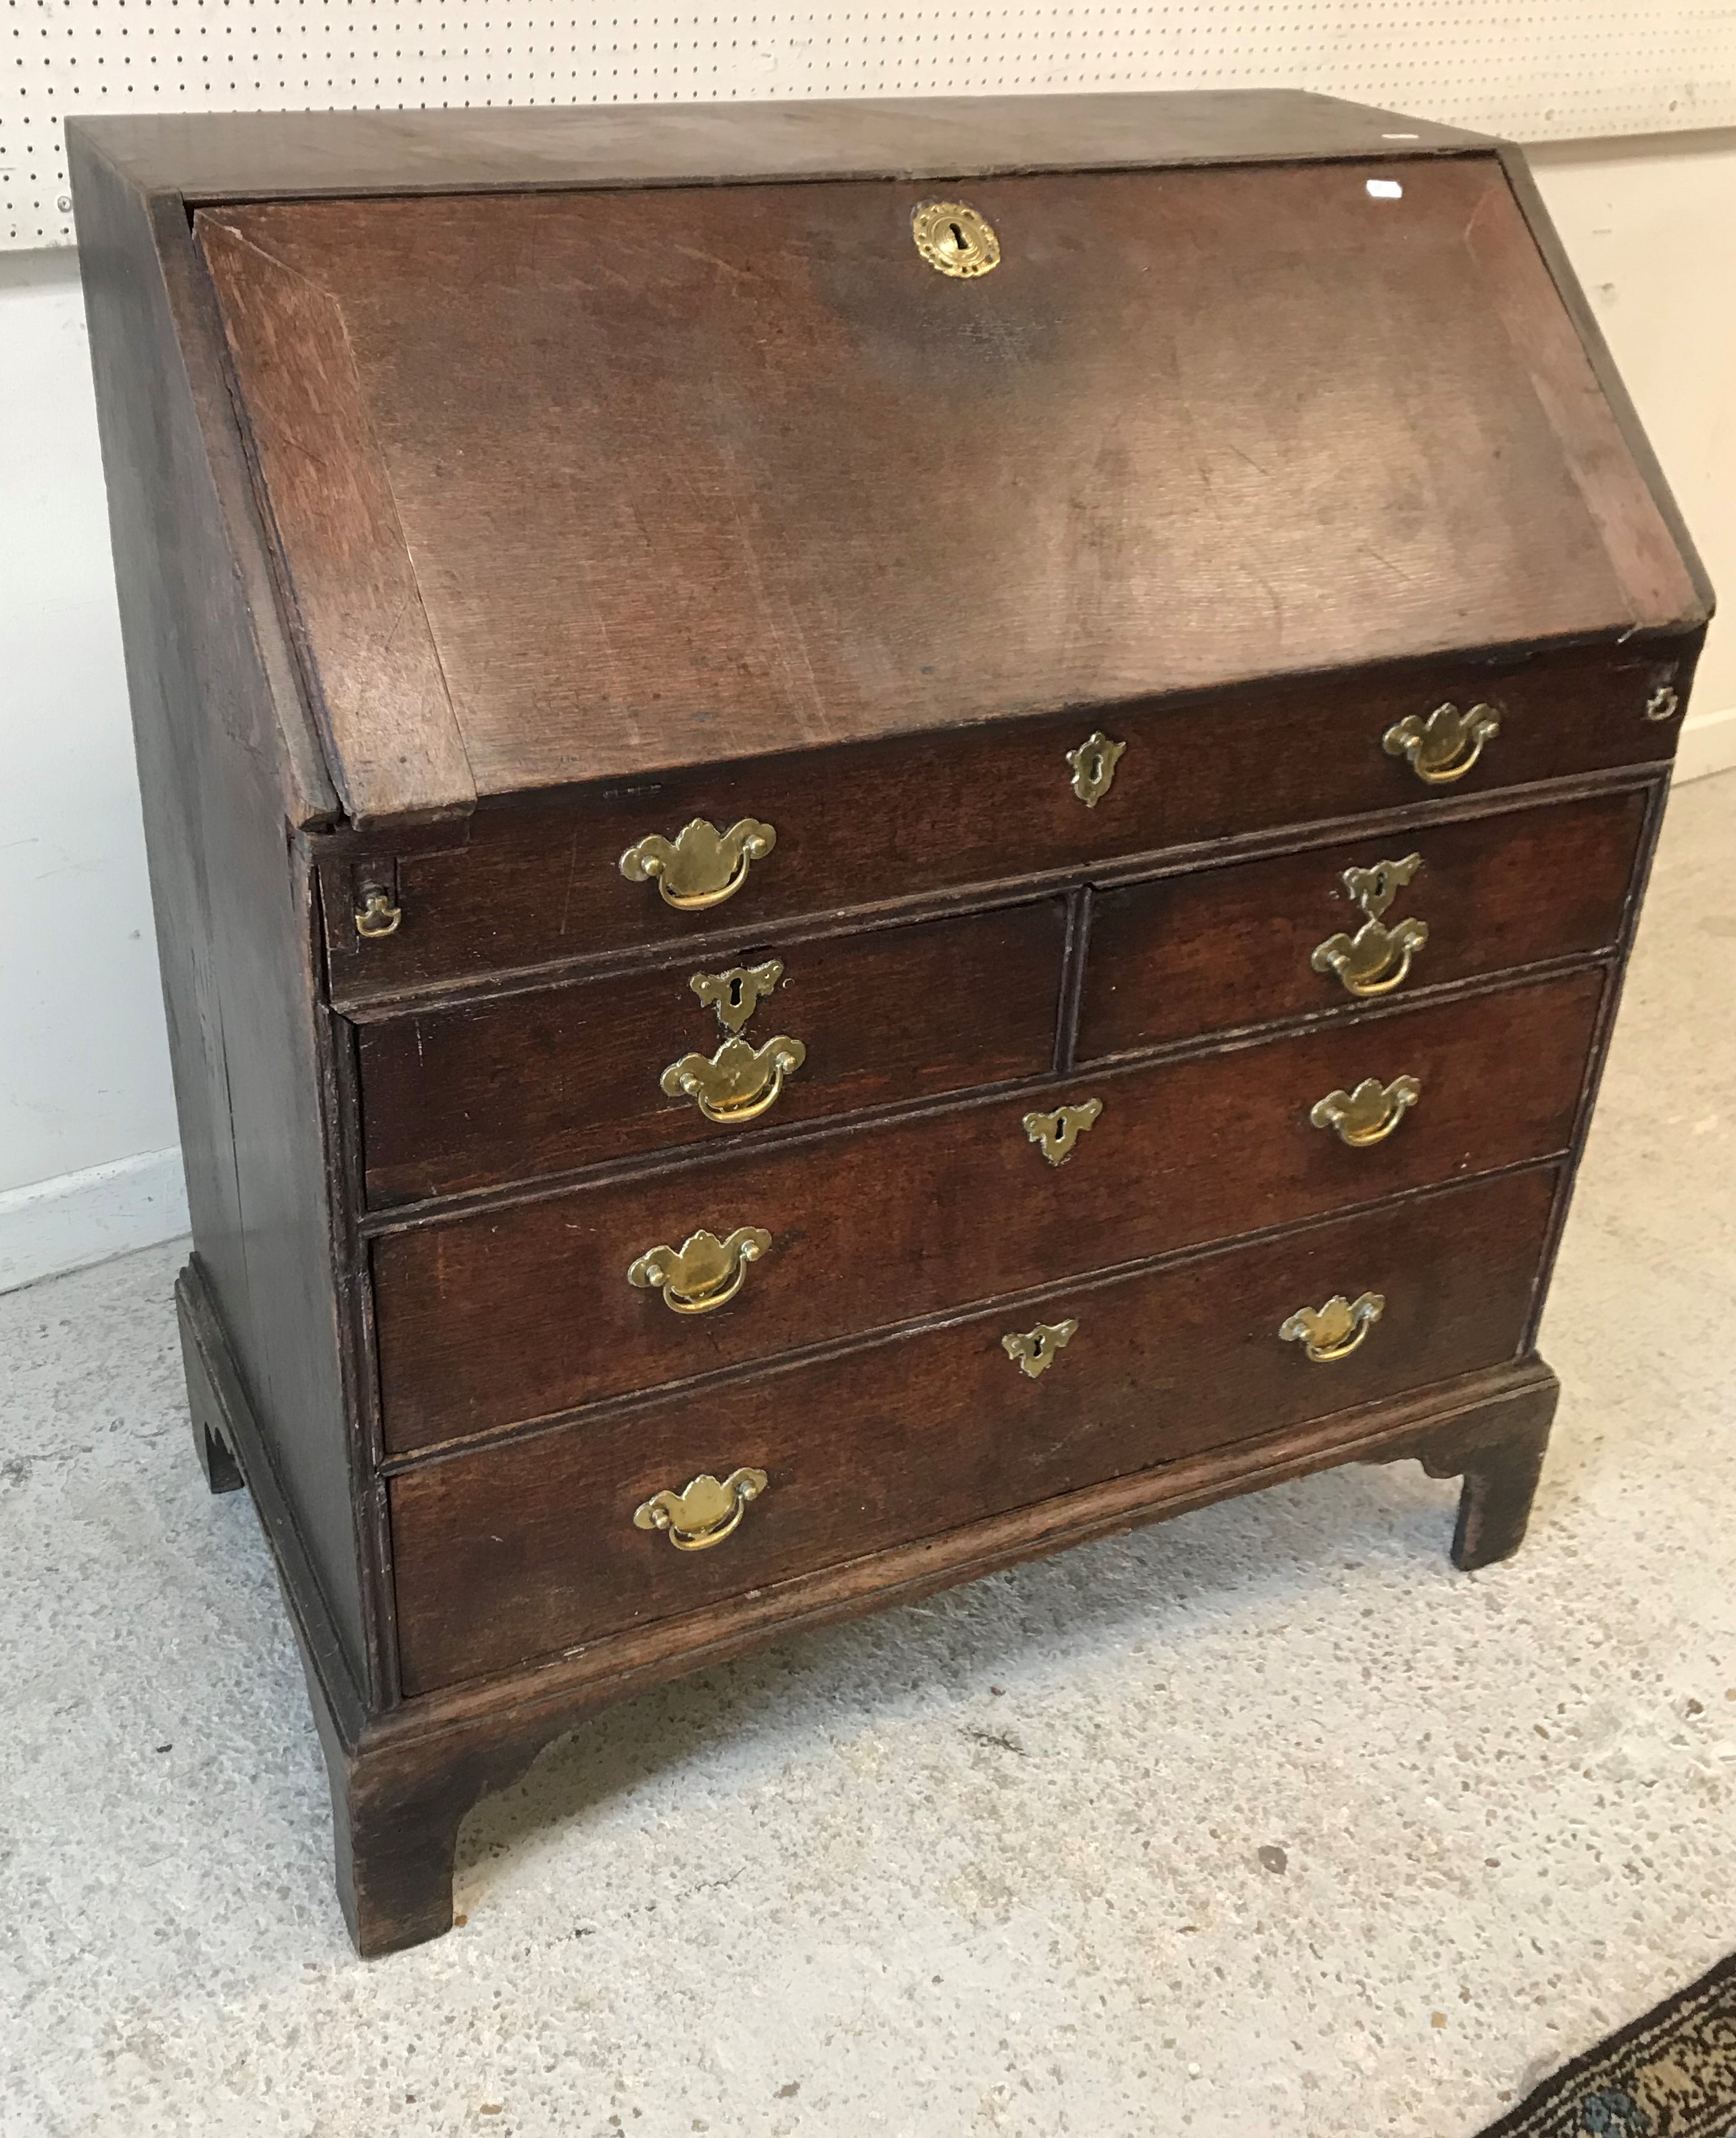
(1238, 947)
(538, 881)
(558, 1078)
(521, 1313)
(508, 1553)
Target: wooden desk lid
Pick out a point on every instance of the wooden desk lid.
(580, 485)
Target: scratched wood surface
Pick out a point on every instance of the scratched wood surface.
(684, 474)
(521, 1312)
(507, 1552)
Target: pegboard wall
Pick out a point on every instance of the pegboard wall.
(1552, 70)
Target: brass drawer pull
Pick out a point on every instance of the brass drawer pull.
(1445, 746)
(376, 914)
(1093, 767)
(704, 1512)
(1663, 703)
(737, 1083)
(704, 1272)
(1059, 1131)
(1034, 1352)
(1377, 959)
(737, 993)
(1332, 1332)
(702, 865)
(1369, 1114)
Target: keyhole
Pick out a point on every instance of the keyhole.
(959, 238)
(735, 994)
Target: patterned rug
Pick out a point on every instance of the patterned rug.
(1670, 2075)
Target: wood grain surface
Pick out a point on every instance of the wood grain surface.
(506, 1553)
(538, 882)
(1198, 426)
(1225, 947)
(525, 1312)
(541, 1082)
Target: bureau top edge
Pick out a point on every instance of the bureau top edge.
(206, 157)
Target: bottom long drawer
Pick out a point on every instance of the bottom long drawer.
(506, 1553)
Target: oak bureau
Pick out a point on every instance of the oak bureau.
(885, 835)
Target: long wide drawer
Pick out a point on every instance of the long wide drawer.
(559, 1077)
(513, 1314)
(504, 1553)
(1220, 948)
(539, 881)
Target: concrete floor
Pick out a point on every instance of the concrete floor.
(1263, 1822)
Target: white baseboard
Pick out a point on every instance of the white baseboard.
(1707, 744)
(85, 1217)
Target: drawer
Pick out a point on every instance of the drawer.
(1234, 947)
(506, 1553)
(558, 1078)
(540, 881)
(523, 1312)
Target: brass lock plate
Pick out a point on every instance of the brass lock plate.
(954, 238)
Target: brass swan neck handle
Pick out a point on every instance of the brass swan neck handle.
(739, 1082)
(704, 1272)
(700, 866)
(1332, 1332)
(1444, 747)
(704, 1512)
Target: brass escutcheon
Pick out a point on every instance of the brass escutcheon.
(704, 1512)
(1374, 889)
(700, 866)
(1369, 1114)
(739, 1082)
(737, 993)
(1444, 747)
(1093, 767)
(375, 914)
(1034, 1351)
(1059, 1131)
(954, 238)
(1377, 959)
(704, 1272)
(1332, 1332)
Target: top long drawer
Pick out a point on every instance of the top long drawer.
(668, 860)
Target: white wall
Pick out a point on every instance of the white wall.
(85, 1101)
(87, 1164)
(1650, 225)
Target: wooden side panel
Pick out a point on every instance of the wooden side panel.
(509, 1552)
(233, 898)
(783, 484)
(524, 1312)
(394, 744)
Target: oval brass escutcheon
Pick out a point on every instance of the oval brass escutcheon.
(955, 238)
